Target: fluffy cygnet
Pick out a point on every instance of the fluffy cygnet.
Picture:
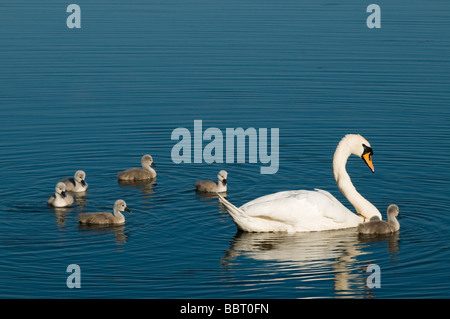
(60, 199)
(211, 186)
(139, 174)
(106, 218)
(380, 226)
(77, 183)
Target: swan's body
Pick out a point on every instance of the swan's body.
(303, 210)
(213, 187)
(140, 174)
(76, 184)
(60, 199)
(106, 218)
(377, 227)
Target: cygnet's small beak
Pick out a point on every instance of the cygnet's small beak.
(127, 210)
(399, 216)
(63, 194)
(153, 164)
(83, 182)
(224, 181)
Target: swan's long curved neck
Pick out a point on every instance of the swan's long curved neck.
(363, 206)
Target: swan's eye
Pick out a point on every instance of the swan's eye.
(367, 149)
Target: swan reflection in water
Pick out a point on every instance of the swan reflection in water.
(312, 256)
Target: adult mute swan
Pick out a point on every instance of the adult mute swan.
(303, 210)
(211, 186)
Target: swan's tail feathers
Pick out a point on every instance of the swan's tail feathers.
(238, 215)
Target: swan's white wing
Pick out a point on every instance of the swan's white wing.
(303, 210)
(285, 206)
(335, 209)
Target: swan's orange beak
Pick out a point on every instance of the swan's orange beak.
(368, 159)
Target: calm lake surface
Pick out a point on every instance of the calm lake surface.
(99, 97)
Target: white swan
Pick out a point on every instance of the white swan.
(303, 210)
(211, 186)
(60, 199)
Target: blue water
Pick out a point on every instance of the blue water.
(99, 97)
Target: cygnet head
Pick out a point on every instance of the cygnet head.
(393, 211)
(60, 189)
(121, 206)
(80, 177)
(222, 176)
(147, 160)
(360, 147)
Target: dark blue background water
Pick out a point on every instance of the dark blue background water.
(99, 97)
